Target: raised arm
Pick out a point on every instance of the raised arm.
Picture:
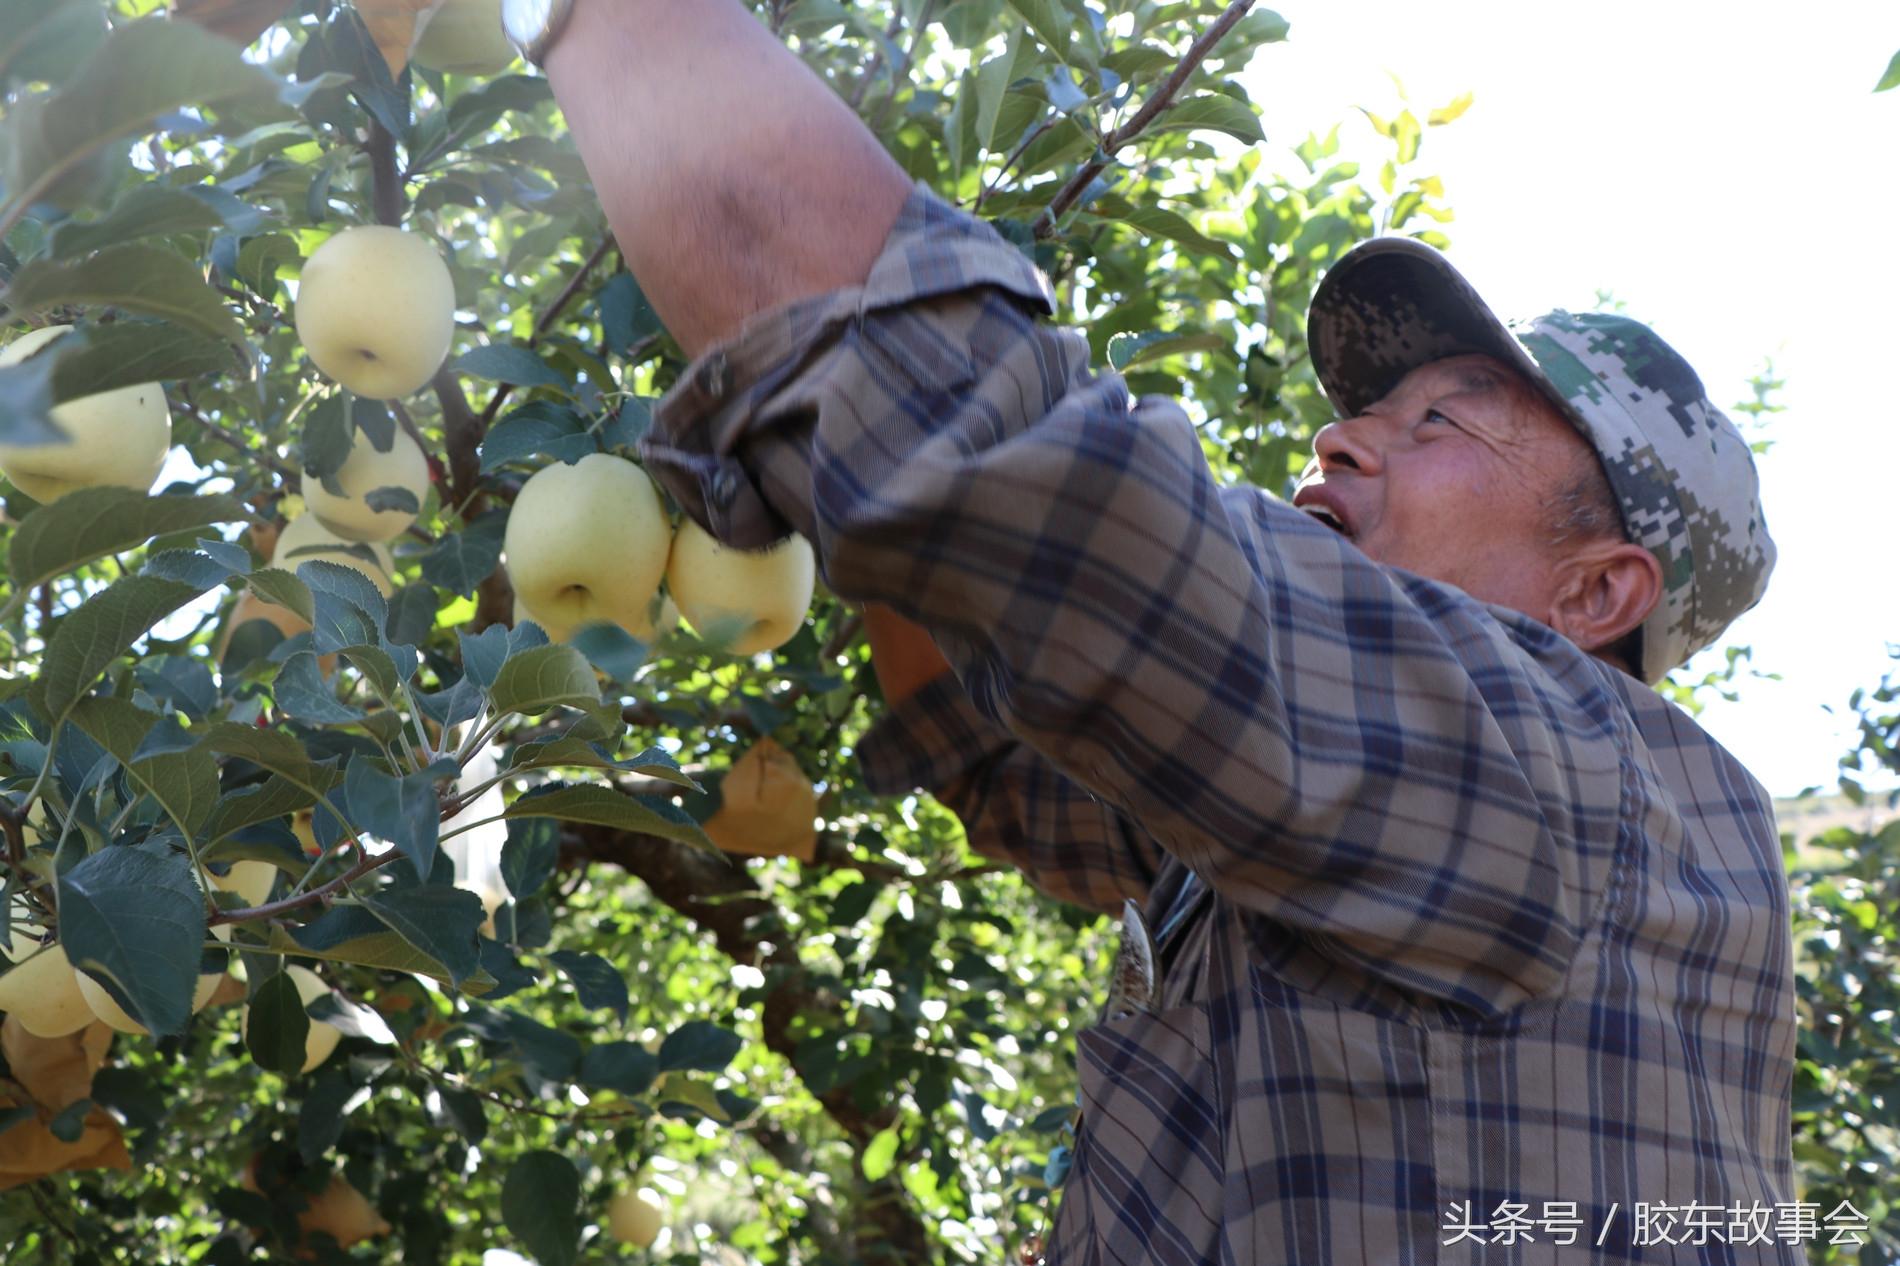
(734, 179)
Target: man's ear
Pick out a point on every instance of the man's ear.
(1603, 591)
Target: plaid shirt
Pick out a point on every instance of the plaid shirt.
(1473, 948)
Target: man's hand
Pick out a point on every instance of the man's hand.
(735, 180)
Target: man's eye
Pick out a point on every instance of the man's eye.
(1433, 415)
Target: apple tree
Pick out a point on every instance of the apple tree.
(364, 901)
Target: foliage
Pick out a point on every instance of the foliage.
(864, 1056)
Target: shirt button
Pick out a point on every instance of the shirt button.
(711, 378)
(725, 487)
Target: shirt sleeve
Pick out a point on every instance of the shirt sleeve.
(1015, 805)
(1422, 785)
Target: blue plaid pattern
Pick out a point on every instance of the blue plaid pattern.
(1461, 916)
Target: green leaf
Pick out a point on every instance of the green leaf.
(273, 750)
(466, 1113)
(275, 585)
(501, 362)
(699, 1046)
(270, 801)
(183, 782)
(603, 806)
(437, 919)
(135, 276)
(1159, 222)
(26, 403)
(353, 51)
(46, 40)
(320, 1121)
(100, 631)
(139, 71)
(347, 608)
(573, 753)
(880, 1154)
(993, 78)
(539, 1199)
(328, 432)
(131, 353)
(278, 1027)
(145, 211)
(1213, 111)
(301, 691)
(1046, 18)
(351, 934)
(597, 982)
(461, 561)
(528, 856)
(136, 921)
(540, 428)
(403, 811)
(535, 681)
(94, 522)
(1891, 79)
(626, 1068)
(1127, 350)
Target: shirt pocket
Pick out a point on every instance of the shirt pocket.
(1146, 1184)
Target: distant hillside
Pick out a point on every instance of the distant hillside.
(1808, 816)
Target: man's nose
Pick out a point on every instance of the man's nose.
(1348, 444)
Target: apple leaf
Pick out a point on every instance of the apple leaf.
(136, 276)
(278, 1026)
(140, 70)
(392, 497)
(462, 560)
(504, 363)
(626, 1068)
(439, 919)
(26, 404)
(184, 782)
(275, 585)
(403, 811)
(46, 40)
(146, 211)
(538, 428)
(603, 806)
(136, 920)
(100, 631)
(597, 982)
(347, 608)
(93, 522)
(351, 934)
(534, 681)
(1215, 112)
(328, 432)
(572, 753)
(301, 691)
(528, 856)
(128, 353)
(699, 1046)
(1891, 79)
(538, 1204)
(381, 90)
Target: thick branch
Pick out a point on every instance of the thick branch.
(386, 183)
(1151, 110)
(715, 892)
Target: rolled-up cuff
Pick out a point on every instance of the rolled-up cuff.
(705, 446)
(928, 740)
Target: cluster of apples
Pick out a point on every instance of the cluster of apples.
(590, 543)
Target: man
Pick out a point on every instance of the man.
(1452, 940)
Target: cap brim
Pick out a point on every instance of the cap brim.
(1393, 304)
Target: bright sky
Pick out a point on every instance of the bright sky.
(1726, 172)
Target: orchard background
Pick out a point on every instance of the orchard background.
(856, 1050)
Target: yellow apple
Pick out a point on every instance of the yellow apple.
(251, 880)
(588, 543)
(635, 1217)
(119, 437)
(376, 310)
(323, 1036)
(744, 600)
(41, 989)
(464, 37)
(307, 533)
(366, 469)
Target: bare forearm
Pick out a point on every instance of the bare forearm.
(905, 657)
(735, 180)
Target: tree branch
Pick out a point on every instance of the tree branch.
(236, 441)
(386, 183)
(1151, 110)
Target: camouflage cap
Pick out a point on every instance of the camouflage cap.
(1680, 470)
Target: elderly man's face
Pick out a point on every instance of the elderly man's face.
(1450, 476)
